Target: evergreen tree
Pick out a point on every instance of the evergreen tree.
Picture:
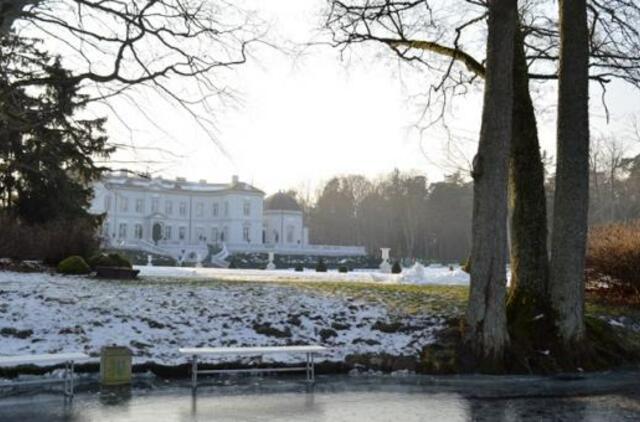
(47, 153)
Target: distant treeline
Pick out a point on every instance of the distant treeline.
(401, 211)
(432, 221)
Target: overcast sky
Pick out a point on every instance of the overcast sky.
(302, 119)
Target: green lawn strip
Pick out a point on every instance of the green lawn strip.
(446, 301)
(402, 298)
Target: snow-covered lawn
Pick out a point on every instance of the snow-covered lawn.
(415, 275)
(44, 313)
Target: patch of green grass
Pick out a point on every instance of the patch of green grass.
(599, 308)
(400, 298)
(449, 301)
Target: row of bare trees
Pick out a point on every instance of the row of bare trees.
(400, 210)
(527, 41)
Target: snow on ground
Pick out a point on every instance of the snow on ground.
(414, 275)
(45, 313)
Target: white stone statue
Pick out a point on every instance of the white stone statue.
(271, 265)
(198, 260)
(417, 271)
(385, 266)
(149, 259)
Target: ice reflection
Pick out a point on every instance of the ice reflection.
(612, 397)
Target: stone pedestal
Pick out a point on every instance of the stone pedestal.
(385, 265)
(271, 265)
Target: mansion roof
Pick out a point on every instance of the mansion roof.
(178, 184)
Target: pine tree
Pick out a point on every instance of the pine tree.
(47, 153)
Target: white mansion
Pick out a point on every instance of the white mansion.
(180, 218)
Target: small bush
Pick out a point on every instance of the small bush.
(299, 268)
(73, 265)
(614, 250)
(138, 257)
(119, 260)
(321, 267)
(109, 260)
(232, 264)
(396, 268)
(466, 266)
(343, 269)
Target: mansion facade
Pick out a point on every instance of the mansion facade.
(183, 218)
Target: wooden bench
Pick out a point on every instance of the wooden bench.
(69, 360)
(196, 352)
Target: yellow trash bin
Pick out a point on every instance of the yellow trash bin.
(115, 365)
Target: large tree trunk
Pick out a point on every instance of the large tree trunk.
(528, 295)
(571, 201)
(486, 336)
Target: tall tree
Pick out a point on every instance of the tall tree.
(571, 203)
(528, 295)
(424, 31)
(122, 48)
(47, 153)
(486, 336)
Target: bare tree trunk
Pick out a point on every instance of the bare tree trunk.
(486, 336)
(529, 255)
(571, 201)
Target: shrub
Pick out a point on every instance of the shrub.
(321, 267)
(109, 260)
(299, 268)
(119, 260)
(138, 257)
(614, 250)
(232, 264)
(396, 268)
(50, 242)
(343, 269)
(466, 266)
(74, 264)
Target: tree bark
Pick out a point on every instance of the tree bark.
(529, 255)
(486, 336)
(571, 200)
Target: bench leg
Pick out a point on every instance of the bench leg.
(313, 370)
(71, 380)
(194, 371)
(68, 378)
